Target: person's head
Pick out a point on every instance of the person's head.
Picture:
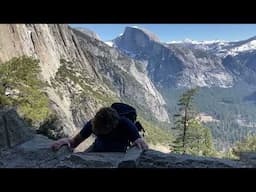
(105, 120)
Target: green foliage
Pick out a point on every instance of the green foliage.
(51, 129)
(229, 154)
(19, 78)
(227, 105)
(67, 72)
(155, 134)
(247, 145)
(186, 98)
(199, 139)
(191, 136)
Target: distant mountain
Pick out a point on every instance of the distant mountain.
(190, 63)
(221, 48)
(173, 65)
(225, 71)
(88, 32)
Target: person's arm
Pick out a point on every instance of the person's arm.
(75, 141)
(134, 135)
(83, 134)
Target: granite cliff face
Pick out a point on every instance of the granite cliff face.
(84, 73)
(49, 44)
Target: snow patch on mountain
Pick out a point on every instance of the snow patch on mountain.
(245, 47)
(109, 43)
(220, 48)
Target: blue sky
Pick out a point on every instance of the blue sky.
(177, 32)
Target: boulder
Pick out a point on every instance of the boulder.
(248, 158)
(92, 160)
(35, 153)
(13, 129)
(155, 159)
(131, 158)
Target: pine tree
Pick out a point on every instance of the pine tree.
(186, 113)
(192, 137)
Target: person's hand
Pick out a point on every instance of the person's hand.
(141, 144)
(58, 144)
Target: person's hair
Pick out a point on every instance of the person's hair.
(105, 120)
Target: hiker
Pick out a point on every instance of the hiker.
(113, 130)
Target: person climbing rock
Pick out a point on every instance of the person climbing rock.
(114, 127)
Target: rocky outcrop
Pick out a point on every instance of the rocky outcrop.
(36, 153)
(90, 33)
(248, 158)
(13, 129)
(22, 148)
(155, 159)
(242, 66)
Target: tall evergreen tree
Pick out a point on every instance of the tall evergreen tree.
(185, 114)
(192, 137)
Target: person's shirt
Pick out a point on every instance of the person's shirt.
(117, 140)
